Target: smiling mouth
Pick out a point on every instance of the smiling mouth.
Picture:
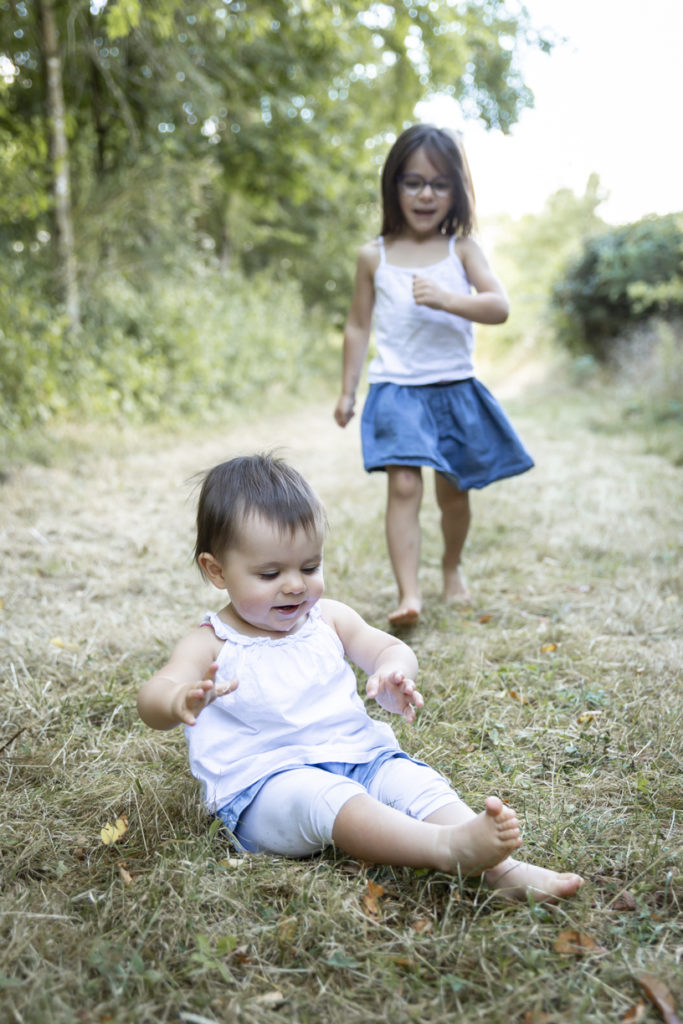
(287, 609)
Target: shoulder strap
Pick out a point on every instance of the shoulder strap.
(382, 250)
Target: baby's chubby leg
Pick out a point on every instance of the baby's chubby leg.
(515, 879)
(372, 831)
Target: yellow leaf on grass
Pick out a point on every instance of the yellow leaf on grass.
(548, 647)
(64, 644)
(112, 833)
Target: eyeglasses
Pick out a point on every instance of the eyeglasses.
(415, 184)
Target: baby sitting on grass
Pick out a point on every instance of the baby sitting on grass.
(278, 735)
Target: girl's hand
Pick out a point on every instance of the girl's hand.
(427, 293)
(344, 409)
(190, 700)
(395, 693)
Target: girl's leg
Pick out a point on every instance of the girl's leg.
(455, 522)
(404, 497)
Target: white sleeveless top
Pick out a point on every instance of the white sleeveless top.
(417, 344)
(296, 703)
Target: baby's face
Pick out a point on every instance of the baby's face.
(273, 578)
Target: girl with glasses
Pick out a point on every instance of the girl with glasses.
(422, 285)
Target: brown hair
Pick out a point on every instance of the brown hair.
(262, 485)
(445, 152)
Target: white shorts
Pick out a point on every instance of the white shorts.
(293, 813)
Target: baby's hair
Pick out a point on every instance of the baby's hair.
(253, 485)
(446, 153)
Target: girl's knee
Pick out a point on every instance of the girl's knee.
(449, 497)
(405, 482)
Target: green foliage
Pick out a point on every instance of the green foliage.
(622, 277)
(201, 339)
(224, 168)
(529, 253)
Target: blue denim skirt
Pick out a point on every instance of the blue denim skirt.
(456, 427)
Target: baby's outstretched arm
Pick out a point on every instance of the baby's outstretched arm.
(186, 684)
(391, 665)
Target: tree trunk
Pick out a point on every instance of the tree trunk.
(59, 156)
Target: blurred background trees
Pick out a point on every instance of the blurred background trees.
(184, 188)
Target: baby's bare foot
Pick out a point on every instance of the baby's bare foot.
(407, 613)
(518, 881)
(484, 841)
(455, 589)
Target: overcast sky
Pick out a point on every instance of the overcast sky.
(608, 100)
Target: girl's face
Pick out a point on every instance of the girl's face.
(424, 211)
(273, 578)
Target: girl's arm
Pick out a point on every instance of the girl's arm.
(186, 683)
(489, 304)
(391, 665)
(357, 331)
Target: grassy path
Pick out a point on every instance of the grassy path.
(559, 689)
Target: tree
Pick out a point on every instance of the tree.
(59, 155)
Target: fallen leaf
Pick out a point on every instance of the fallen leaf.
(588, 716)
(518, 696)
(536, 1017)
(423, 926)
(231, 862)
(64, 644)
(371, 899)
(112, 833)
(126, 877)
(624, 901)
(572, 941)
(273, 999)
(484, 618)
(636, 1014)
(548, 647)
(658, 994)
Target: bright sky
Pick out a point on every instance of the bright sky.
(609, 99)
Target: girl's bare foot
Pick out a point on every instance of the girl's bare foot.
(482, 842)
(407, 613)
(519, 881)
(455, 589)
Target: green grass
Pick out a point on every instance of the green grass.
(559, 689)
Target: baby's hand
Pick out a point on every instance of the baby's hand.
(395, 693)
(427, 292)
(193, 698)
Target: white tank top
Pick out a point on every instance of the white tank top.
(416, 344)
(297, 703)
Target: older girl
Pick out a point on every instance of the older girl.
(425, 281)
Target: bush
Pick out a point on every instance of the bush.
(186, 342)
(622, 277)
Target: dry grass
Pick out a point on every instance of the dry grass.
(560, 689)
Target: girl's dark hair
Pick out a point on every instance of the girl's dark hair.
(261, 485)
(446, 153)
